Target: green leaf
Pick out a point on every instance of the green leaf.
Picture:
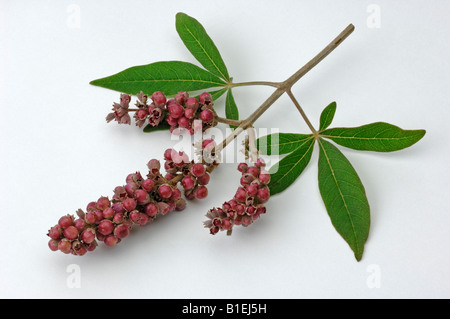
(169, 77)
(280, 143)
(378, 137)
(344, 197)
(161, 127)
(231, 110)
(201, 46)
(327, 116)
(287, 170)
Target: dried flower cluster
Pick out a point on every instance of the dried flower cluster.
(180, 113)
(248, 202)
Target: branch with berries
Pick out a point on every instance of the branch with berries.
(166, 99)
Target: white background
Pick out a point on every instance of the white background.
(58, 153)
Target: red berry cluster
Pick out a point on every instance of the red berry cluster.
(194, 175)
(181, 112)
(248, 202)
(188, 113)
(136, 203)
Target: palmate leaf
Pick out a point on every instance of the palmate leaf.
(198, 42)
(378, 137)
(169, 77)
(344, 197)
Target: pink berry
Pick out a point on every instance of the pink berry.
(191, 103)
(154, 166)
(206, 116)
(242, 167)
(90, 218)
(118, 218)
(143, 219)
(151, 210)
(226, 224)
(171, 120)
(176, 110)
(53, 244)
(176, 194)
(263, 194)
(204, 179)
(188, 182)
(142, 196)
(163, 208)
(148, 184)
(121, 231)
(205, 98)
(168, 154)
(105, 227)
(181, 97)
(201, 192)
(129, 204)
(55, 232)
(103, 203)
(198, 170)
(241, 195)
(260, 163)
(184, 122)
(65, 246)
(189, 113)
(159, 98)
(91, 206)
(208, 144)
(130, 188)
(165, 191)
(111, 240)
(118, 208)
(88, 236)
(71, 232)
(141, 114)
(252, 189)
(253, 171)
(135, 216)
(264, 177)
(65, 221)
(108, 213)
(79, 224)
(246, 220)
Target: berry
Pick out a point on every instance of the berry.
(55, 232)
(165, 191)
(53, 244)
(65, 246)
(205, 98)
(159, 98)
(71, 232)
(111, 240)
(151, 210)
(204, 179)
(201, 192)
(198, 170)
(105, 227)
(141, 196)
(206, 116)
(188, 182)
(129, 204)
(121, 231)
(88, 236)
(65, 221)
(175, 110)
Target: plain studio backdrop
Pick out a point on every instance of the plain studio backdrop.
(58, 152)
